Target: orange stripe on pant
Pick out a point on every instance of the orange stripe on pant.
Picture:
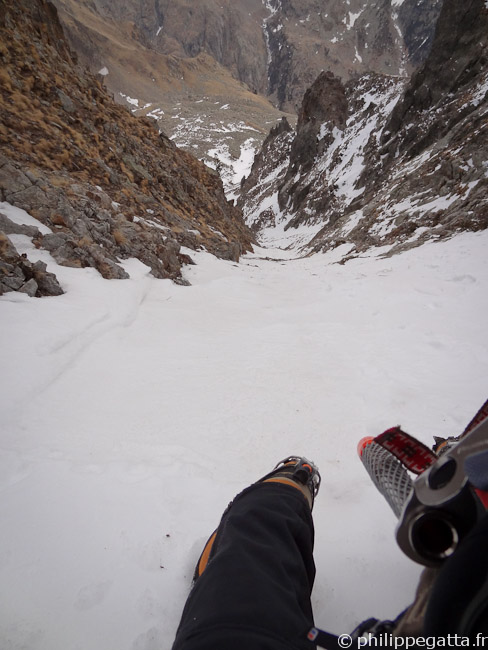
(205, 556)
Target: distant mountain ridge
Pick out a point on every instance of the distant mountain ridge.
(276, 47)
(218, 74)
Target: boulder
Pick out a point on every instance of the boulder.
(9, 227)
(30, 288)
(17, 273)
(8, 252)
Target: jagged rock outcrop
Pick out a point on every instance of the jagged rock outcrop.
(403, 167)
(107, 184)
(325, 102)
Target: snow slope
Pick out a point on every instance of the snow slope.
(132, 411)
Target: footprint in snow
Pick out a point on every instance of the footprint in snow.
(150, 640)
(467, 279)
(437, 345)
(92, 595)
(149, 607)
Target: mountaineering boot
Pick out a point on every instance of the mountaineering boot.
(299, 472)
(296, 471)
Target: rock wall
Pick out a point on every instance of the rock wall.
(259, 191)
(459, 56)
(416, 19)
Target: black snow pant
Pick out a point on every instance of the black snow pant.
(258, 573)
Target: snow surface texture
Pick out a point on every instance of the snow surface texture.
(132, 412)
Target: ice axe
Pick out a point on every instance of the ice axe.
(437, 508)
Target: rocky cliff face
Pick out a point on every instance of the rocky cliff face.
(259, 190)
(458, 59)
(276, 47)
(279, 47)
(390, 164)
(416, 19)
(107, 184)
